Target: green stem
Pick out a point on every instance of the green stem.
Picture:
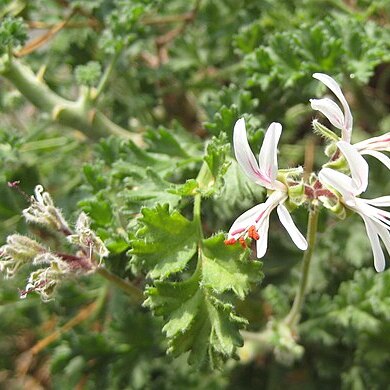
(106, 75)
(204, 179)
(69, 113)
(197, 212)
(293, 315)
(127, 287)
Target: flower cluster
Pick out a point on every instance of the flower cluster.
(349, 188)
(56, 266)
(334, 189)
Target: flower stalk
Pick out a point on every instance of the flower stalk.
(294, 314)
(134, 292)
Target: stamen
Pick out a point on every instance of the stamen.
(252, 233)
(242, 242)
(230, 241)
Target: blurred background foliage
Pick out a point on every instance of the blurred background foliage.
(179, 73)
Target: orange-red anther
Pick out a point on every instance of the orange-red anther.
(230, 241)
(252, 233)
(242, 242)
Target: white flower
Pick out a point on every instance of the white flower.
(254, 223)
(343, 121)
(377, 221)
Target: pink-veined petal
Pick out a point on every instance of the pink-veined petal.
(244, 155)
(330, 109)
(379, 156)
(262, 242)
(340, 182)
(382, 142)
(372, 233)
(335, 88)
(246, 220)
(268, 159)
(288, 223)
(357, 165)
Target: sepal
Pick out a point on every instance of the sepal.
(324, 132)
(334, 205)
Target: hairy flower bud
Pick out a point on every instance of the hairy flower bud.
(87, 239)
(44, 281)
(43, 212)
(18, 251)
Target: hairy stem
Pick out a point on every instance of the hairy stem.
(124, 285)
(293, 316)
(74, 114)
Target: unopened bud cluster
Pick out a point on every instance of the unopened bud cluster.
(22, 251)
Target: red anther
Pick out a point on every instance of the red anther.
(252, 233)
(230, 241)
(242, 242)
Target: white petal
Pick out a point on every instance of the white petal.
(268, 160)
(357, 165)
(340, 182)
(381, 217)
(244, 154)
(246, 220)
(288, 223)
(335, 88)
(385, 237)
(330, 109)
(262, 242)
(379, 257)
(383, 201)
(378, 155)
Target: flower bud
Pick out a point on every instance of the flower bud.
(44, 281)
(43, 212)
(18, 251)
(87, 238)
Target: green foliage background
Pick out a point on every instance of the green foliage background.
(179, 83)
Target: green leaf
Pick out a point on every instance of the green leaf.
(165, 244)
(196, 321)
(150, 189)
(199, 316)
(174, 142)
(216, 156)
(226, 267)
(223, 120)
(88, 74)
(13, 33)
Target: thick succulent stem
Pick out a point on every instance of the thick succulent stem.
(75, 114)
